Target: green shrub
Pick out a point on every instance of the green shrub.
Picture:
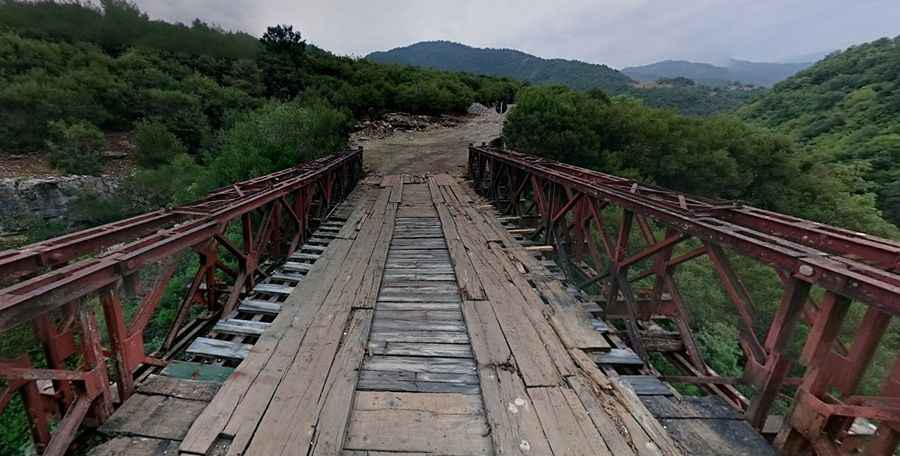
(273, 137)
(75, 148)
(156, 145)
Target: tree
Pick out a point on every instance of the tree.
(282, 62)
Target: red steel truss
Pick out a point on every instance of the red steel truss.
(53, 287)
(629, 239)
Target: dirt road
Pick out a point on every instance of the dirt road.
(436, 150)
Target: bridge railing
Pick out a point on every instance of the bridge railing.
(53, 289)
(628, 240)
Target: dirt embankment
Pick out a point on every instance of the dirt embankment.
(437, 149)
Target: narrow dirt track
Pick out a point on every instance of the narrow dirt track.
(437, 150)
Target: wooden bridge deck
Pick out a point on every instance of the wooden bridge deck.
(422, 328)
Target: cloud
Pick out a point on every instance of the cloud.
(615, 32)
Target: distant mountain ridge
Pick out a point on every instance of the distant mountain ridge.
(755, 73)
(446, 55)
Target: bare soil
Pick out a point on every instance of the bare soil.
(432, 151)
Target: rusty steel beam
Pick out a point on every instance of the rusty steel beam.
(845, 275)
(846, 266)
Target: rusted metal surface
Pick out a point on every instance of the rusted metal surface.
(629, 239)
(56, 288)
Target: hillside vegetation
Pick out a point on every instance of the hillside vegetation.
(741, 71)
(445, 55)
(845, 111)
(690, 98)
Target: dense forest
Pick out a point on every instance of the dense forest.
(741, 71)
(687, 98)
(845, 111)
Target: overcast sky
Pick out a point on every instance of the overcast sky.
(618, 33)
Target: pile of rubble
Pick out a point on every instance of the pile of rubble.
(393, 122)
(478, 108)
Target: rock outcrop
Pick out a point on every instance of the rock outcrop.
(46, 198)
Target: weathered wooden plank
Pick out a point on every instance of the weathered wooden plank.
(515, 428)
(160, 417)
(386, 306)
(423, 431)
(418, 336)
(599, 411)
(488, 343)
(456, 404)
(394, 275)
(715, 437)
(417, 296)
(342, 380)
(708, 407)
(416, 211)
(448, 285)
(180, 388)
(646, 385)
(136, 446)
(566, 423)
(197, 371)
(423, 349)
(260, 307)
(417, 382)
(571, 322)
(533, 307)
(420, 364)
(466, 275)
(240, 327)
(618, 357)
(381, 324)
(420, 315)
(215, 348)
(397, 191)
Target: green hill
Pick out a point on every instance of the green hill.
(744, 72)
(846, 110)
(445, 55)
(685, 97)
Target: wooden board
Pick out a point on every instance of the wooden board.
(566, 422)
(515, 428)
(457, 404)
(342, 379)
(709, 407)
(421, 431)
(159, 417)
(180, 388)
(646, 385)
(488, 343)
(136, 446)
(197, 371)
(717, 437)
